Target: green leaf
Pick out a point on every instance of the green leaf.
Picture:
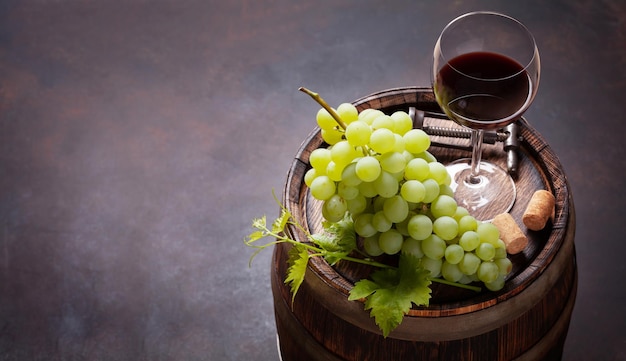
(279, 223)
(338, 240)
(415, 280)
(254, 236)
(298, 261)
(259, 223)
(392, 292)
(333, 257)
(362, 289)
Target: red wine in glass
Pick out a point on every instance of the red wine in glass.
(483, 89)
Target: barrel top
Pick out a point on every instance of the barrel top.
(539, 168)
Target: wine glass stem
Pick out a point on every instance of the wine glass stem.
(477, 145)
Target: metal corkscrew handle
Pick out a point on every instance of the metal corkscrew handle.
(509, 136)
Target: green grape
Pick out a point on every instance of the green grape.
(443, 205)
(448, 181)
(500, 253)
(426, 155)
(349, 176)
(334, 171)
(363, 225)
(413, 246)
(420, 227)
(434, 247)
(496, 285)
(446, 190)
(364, 112)
(451, 272)
(485, 251)
(322, 188)
(469, 241)
(368, 115)
(368, 169)
(386, 185)
(378, 203)
(504, 266)
(347, 192)
(382, 140)
(358, 133)
(398, 144)
(357, 205)
(396, 209)
(332, 136)
(403, 227)
(367, 189)
(380, 222)
(500, 250)
(402, 122)
(383, 121)
(347, 112)
(488, 233)
(392, 162)
(413, 191)
(399, 176)
(370, 244)
(416, 169)
(460, 213)
(487, 272)
(500, 244)
(391, 241)
(467, 223)
(408, 156)
(334, 208)
(454, 253)
(324, 120)
(342, 153)
(432, 190)
(438, 172)
(469, 263)
(446, 227)
(432, 265)
(309, 176)
(414, 206)
(320, 158)
(416, 141)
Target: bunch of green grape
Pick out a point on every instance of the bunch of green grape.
(378, 169)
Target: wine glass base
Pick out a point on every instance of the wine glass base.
(491, 193)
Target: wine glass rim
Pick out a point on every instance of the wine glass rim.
(485, 12)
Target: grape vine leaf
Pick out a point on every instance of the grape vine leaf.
(259, 223)
(338, 240)
(390, 293)
(279, 223)
(297, 261)
(254, 236)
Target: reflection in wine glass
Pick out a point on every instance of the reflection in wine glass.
(485, 75)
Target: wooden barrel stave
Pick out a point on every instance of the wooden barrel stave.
(322, 324)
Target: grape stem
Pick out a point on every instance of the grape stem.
(367, 262)
(455, 284)
(281, 237)
(365, 149)
(324, 105)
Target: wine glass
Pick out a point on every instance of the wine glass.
(485, 75)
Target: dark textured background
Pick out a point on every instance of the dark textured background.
(138, 139)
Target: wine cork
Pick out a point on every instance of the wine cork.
(539, 210)
(510, 233)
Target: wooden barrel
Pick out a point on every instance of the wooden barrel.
(527, 320)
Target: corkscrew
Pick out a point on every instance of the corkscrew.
(508, 135)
